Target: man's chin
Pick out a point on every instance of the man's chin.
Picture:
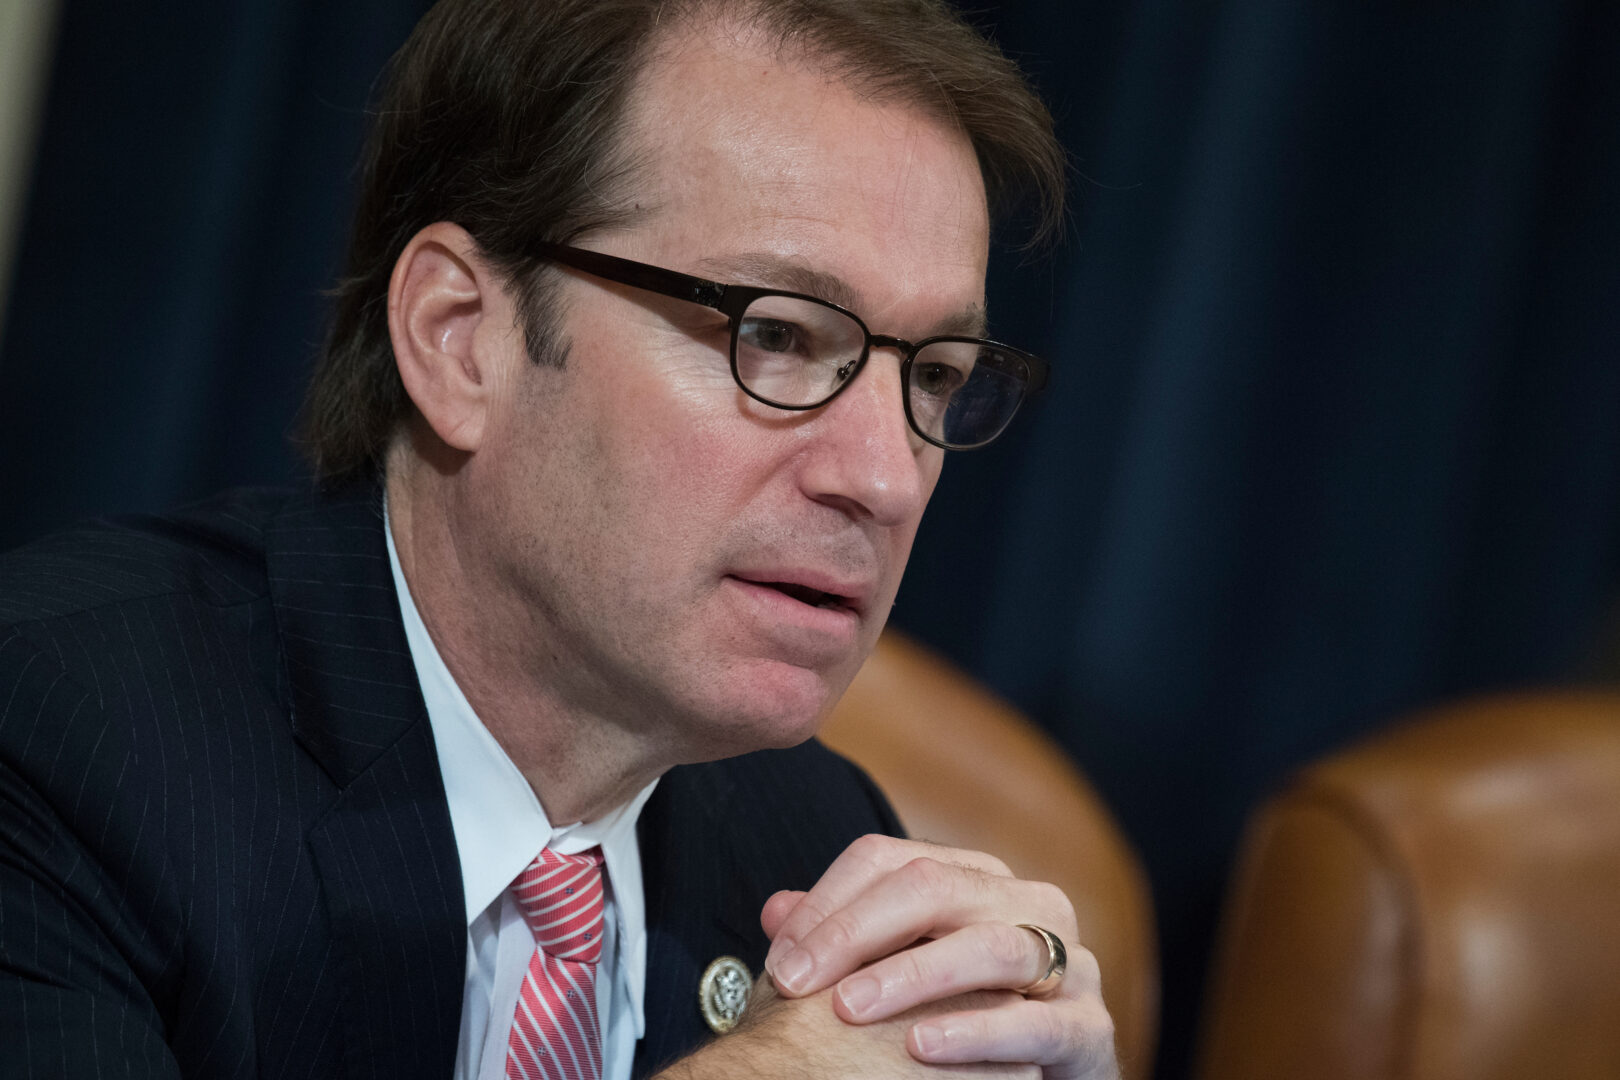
(777, 706)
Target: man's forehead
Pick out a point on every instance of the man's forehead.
(763, 165)
(710, 82)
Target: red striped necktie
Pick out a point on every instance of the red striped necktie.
(555, 1035)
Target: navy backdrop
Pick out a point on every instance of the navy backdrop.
(1333, 426)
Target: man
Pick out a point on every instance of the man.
(471, 763)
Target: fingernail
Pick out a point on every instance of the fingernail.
(859, 994)
(792, 972)
(780, 947)
(930, 1039)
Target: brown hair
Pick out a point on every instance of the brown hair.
(504, 117)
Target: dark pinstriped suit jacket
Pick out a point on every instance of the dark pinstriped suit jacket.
(224, 845)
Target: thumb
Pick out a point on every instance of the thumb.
(777, 909)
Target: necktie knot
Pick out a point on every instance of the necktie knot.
(561, 900)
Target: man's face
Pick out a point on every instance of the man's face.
(656, 541)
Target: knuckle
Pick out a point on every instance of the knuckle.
(1080, 1030)
(1094, 1034)
(967, 859)
(1083, 967)
(872, 849)
(912, 967)
(1102, 1027)
(924, 876)
(1061, 1031)
(1053, 899)
(806, 916)
(1007, 948)
(1060, 1027)
(839, 934)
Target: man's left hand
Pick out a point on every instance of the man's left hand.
(897, 923)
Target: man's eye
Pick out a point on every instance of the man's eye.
(940, 380)
(772, 335)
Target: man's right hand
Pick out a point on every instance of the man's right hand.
(803, 1039)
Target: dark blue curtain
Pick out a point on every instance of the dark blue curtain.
(188, 207)
(1333, 428)
(1336, 424)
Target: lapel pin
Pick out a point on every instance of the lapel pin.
(723, 993)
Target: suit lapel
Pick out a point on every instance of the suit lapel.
(716, 841)
(703, 902)
(385, 852)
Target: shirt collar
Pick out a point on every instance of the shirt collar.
(498, 821)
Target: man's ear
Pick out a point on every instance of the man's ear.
(440, 293)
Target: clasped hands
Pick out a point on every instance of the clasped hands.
(925, 941)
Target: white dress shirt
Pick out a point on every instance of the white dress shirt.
(500, 827)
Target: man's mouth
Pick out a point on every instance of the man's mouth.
(806, 595)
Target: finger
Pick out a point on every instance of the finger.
(860, 864)
(1071, 1039)
(920, 900)
(863, 862)
(776, 911)
(984, 956)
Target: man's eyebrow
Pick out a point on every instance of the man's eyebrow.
(777, 272)
(971, 321)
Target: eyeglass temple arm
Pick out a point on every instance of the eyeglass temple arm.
(637, 275)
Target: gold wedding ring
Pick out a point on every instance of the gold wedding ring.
(1057, 958)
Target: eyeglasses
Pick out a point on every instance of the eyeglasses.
(794, 351)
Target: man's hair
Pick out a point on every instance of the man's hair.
(505, 117)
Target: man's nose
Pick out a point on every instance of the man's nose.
(867, 460)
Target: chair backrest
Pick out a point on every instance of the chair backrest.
(1442, 901)
(964, 769)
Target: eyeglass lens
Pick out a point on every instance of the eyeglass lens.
(797, 353)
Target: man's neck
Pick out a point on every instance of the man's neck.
(579, 763)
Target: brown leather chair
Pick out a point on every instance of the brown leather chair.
(1439, 903)
(964, 769)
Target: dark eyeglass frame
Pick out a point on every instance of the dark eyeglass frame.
(733, 300)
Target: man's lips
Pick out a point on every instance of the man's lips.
(806, 595)
(811, 588)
